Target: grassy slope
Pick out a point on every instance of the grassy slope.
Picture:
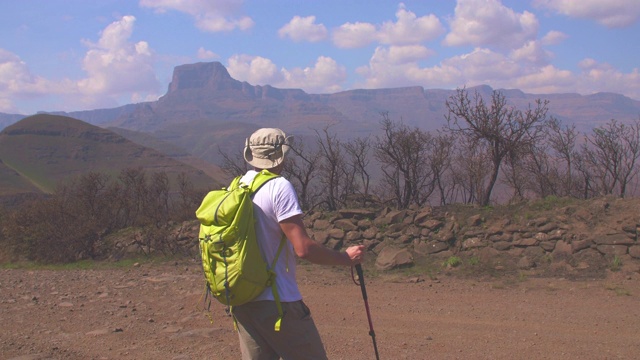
(46, 149)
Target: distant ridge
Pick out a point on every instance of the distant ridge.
(43, 150)
(203, 97)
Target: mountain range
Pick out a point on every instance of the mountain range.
(205, 109)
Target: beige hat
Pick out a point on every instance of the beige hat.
(266, 148)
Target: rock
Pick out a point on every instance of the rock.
(472, 243)
(528, 242)
(580, 245)
(614, 239)
(502, 245)
(390, 258)
(612, 249)
(352, 236)
(321, 224)
(370, 233)
(634, 251)
(396, 216)
(431, 247)
(320, 236)
(357, 213)
(336, 233)
(474, 220)
(345, 225)
(562, 248)
(423, 215)
(432, 224)
(525, 263)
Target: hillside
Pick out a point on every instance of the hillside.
(43, 150)
(202, 98)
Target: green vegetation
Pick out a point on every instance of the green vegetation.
(619, 290)
(452, 261)
(616, 263)
(82, 218)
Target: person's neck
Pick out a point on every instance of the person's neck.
(276, 170)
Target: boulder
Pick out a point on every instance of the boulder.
(391, 258)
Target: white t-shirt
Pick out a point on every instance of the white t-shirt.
(276, 201)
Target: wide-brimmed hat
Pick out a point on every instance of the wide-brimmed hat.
(266, 148)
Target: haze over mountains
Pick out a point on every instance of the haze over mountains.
(205, 109)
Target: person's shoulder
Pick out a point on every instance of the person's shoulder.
(281, 182)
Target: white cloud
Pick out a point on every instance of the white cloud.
(610, 13)
(116, 66)
(354, 35)
(324, 77)
(209, 15)
(602, 77)
(255, 70)
(408, 29)
(532, 53)
(489, 23)
(204, 54)
(553, 37)
(17, 82)
(303, 29)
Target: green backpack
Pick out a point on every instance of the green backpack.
(234, 265)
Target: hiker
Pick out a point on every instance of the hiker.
(277, 211)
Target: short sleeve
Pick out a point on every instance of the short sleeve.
(286, 200)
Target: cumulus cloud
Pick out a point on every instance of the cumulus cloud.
(324, 77)
(489, 23)
(18, 82)
(209, 15)
(115, 66)
(354, 35)
(255, 70)
(553, 37)
(408, 29)
(610, 13)
(303, 29)
(532, 53)
(204, 54)
(116, 70)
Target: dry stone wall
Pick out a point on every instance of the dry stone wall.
(580, 234)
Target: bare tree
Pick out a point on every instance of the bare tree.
(301, 168)
(358, 151)
(336, 181)
(440, 161)
(562, 142)
(500, 127)
(403, 154)
(471, 166)
(233, 165)
(612, 151)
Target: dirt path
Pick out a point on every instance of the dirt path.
(149, 312)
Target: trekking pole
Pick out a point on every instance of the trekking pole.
(366, 305)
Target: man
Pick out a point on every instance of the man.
(277, 211)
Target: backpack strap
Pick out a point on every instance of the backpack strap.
(261, 178)
(274, 288)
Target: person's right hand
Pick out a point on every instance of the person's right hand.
(356, 253)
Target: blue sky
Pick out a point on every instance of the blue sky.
(68, 55)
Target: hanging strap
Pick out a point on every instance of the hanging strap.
(274, 287)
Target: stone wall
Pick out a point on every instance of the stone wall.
(580, 234)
